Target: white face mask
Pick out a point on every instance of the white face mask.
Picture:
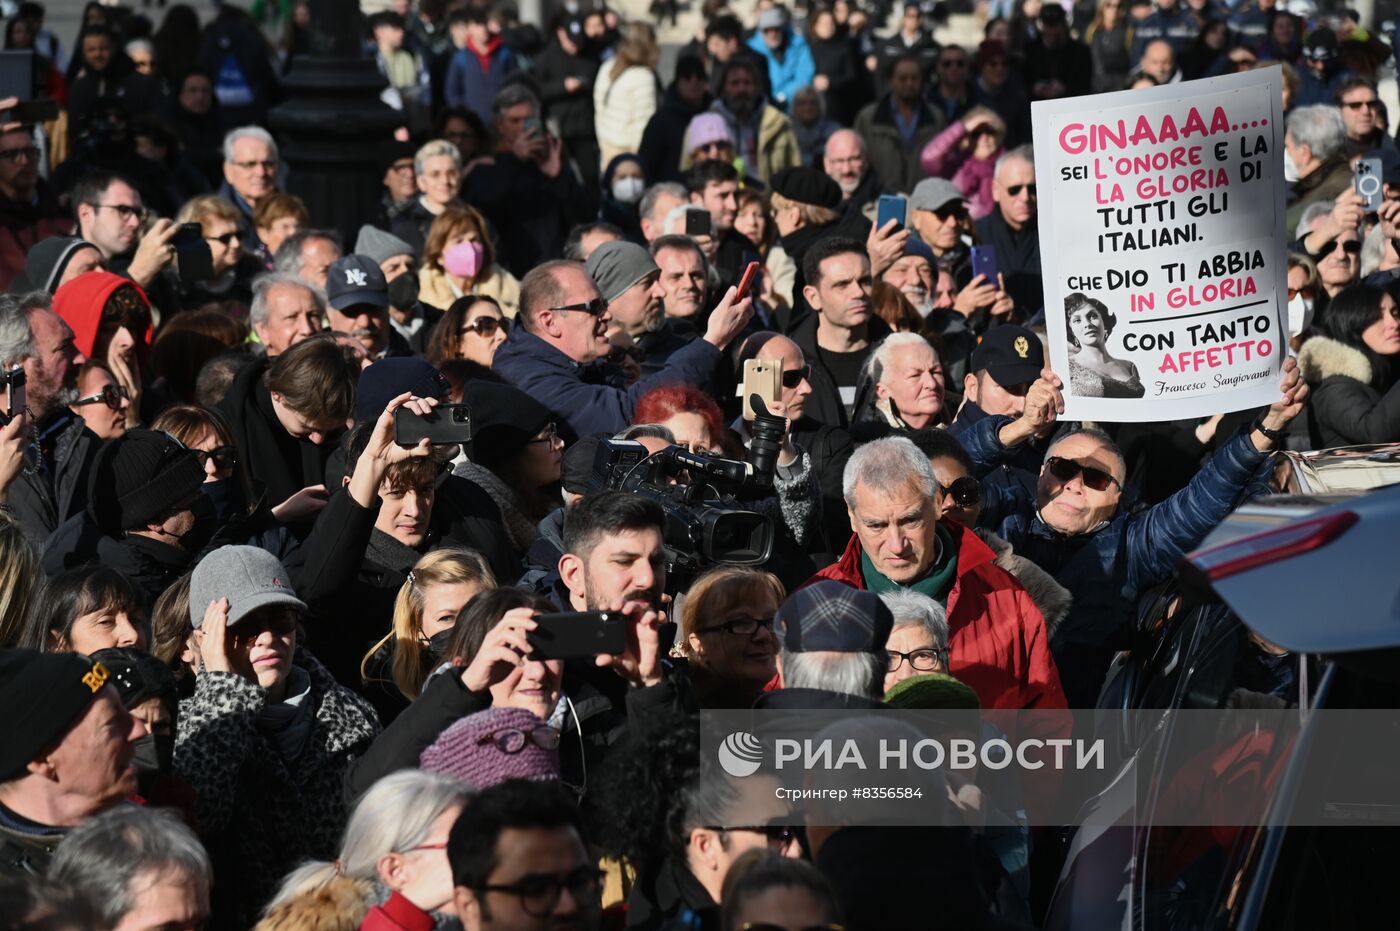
(1290, 167)
(628, 190)
(1300, 314)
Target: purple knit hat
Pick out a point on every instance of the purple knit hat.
(459, 751)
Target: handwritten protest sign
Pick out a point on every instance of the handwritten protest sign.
(1162, 247)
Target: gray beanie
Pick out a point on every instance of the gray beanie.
(379, 245)
(616, 266)
(250, 577)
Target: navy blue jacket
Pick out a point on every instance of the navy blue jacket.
(1178, 27)
(1108, 568)
(591, 398)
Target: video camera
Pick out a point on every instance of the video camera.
(705, 523)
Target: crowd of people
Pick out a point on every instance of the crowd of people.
(264, 666)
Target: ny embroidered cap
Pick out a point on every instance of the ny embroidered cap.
(42, 695)
(830, 617)
(1011, 354)
(356, 279)
(249, 577)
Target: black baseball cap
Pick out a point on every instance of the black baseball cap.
(356, 279)
(1011, 354)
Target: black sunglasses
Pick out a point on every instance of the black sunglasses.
(1349, 246)
(620, 354)
(594, 308)
(486, 326)
(794, 377)
(1066, 469)
(965, 491)
(224, 457)
(777, 834)
(111, 395)
(1016, 189)
(227, 238)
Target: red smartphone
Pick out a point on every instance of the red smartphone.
(746, 281)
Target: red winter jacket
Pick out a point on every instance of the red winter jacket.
(996, 637)
(397, 914)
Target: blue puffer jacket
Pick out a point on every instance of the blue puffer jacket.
(1108, 568)
(591, 398)
(794, 72)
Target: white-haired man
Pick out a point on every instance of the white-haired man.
(250, 173)
(998, 644)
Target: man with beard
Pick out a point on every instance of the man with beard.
(683, 275)
(630, 281)
(358, 298)
(557, 353)
(898, 125)
(845, 161)
(29, 211)
(917, 276)
(767, 142)
(34, 337)
(837, 338)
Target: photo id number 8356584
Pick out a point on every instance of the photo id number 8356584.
(879, 792)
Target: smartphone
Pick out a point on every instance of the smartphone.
(193, 259)
(891, 207)
(17, 74)
(1367, 182)
(533, 126)
(31, 112)
(762, 377)
(577, 634)
(747, 281)
(984, 262)
(445, 425)
(14, 388)
(697, 223)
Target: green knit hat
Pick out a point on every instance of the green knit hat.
(935, 690)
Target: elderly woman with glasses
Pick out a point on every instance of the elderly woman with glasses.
(918, 644)
(727, 636)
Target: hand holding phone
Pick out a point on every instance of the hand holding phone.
(445, 425)
(502, 651)
(15, 396)
(747, 280)
(891, 207)
(575, 634)
(762, 377)
(1367, 182)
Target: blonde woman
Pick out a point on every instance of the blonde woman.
(394, 847)
(626, 93)
(441, 583)
(459, 259)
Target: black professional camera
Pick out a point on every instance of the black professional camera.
(705, 523)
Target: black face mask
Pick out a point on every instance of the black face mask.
(153, 754)
(403, 291)
(225, 497)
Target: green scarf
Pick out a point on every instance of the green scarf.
(936, 582)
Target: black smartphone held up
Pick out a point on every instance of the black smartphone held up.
(697, 223)
(31, 112)
(577, 634)
(445, 425)
(14, 391)
(984, 262)
(891, 207)
(1367, 182)
(193, 259)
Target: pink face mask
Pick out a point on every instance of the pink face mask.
(463, 259)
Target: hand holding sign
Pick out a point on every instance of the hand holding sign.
(1045, 402)
(1293, 395)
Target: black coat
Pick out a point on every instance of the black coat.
(663, 140)
(44, 500)
(573, 111)
(1349, 404)
(281, 462)
(1018, 259)
(1071, 64)
(531, 212)
(836, 58)
(824, 405)
(411, 224)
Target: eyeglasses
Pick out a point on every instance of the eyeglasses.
(550, 434)
(1016, 189)
(485, 326)
(224, 457)
(779, 835)
(539, 893)
(1349, 246)
(965, 491)
(406, 166)
(226, 239)
(740, 626)
(249, 166)
(710, 147)
(620, 354)
(1067, 469)
(125, 211)
(950, 212)
(1373, 104)
(111, 395)
(30, 152)
(1294, 292)
(794, 377)
(925, 660)
(512, 739)
(594, 308)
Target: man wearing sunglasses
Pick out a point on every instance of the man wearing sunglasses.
(1011, 229)
(1072, 525)
(1314, 159)
(557, 354)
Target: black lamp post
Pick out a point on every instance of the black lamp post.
(333, 125)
